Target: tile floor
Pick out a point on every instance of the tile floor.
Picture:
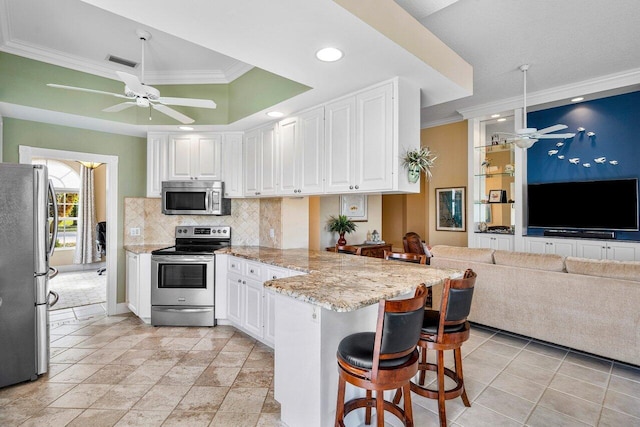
(79, 288)
(118, 371)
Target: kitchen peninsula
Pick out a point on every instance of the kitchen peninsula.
(330, 296)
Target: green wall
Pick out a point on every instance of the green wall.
(132, 163)
(24, 82)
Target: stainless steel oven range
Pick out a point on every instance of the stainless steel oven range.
(183, 277)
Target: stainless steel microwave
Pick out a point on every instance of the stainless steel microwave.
(194, 198)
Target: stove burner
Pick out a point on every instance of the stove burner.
(198, 240)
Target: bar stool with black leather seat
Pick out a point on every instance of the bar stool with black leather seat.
(446, 329)
(386, 359)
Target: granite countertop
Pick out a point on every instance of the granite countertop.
(145, 249)
(341, 282)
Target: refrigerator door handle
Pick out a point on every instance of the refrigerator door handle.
(54, 236)
(53, 272)
(56, 297)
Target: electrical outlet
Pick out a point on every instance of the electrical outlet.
(134, 231)
(272, 233)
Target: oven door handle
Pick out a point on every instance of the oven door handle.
(184, 310)
(181, 259)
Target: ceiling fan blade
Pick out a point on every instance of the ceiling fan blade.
(551, 129)
(556, 136)
(187, 102)
(173, 113)
(81, 89)
(131, 81)
(119, 107)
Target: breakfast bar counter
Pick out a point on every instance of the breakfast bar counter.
(336, 297)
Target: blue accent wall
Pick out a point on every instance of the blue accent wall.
(616, 123)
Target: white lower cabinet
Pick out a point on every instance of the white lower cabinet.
(606, 249)
(492, 241)
(249, 305)
(541, 245)
(138, 284)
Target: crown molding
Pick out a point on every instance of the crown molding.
(609, 85)
(441, 122)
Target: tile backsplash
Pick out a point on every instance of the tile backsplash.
(157, 228)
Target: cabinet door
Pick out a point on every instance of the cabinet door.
(132, 284)
(144, 287)
(252, 316)
(288, 145)
(252, 165)
(373, 155)
(592, 249)
(232, 170)
(564, 248)
(622, 251)
(311, 152)
(235, 298)
(206, 153)
(484, 241)
(503, 243)
(535, 246)
(269, 153)
(157, 147)
(180, 157)
(340, 135)
(269, 317)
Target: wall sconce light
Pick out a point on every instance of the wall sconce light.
(581, 129)
(600, 160)
(590, 134)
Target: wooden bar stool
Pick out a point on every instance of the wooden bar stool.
(442, 330)
(386, 359)
(348, 249)
(406, 257)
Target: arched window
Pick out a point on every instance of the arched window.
(66, 183)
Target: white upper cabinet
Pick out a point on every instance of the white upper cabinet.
(362, 139)
(301, 148)
(157, 149)
(195, 157)
(260, 161)
(232, 165)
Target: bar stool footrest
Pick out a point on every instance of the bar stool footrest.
(451, 393)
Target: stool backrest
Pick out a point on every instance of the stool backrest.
(413, 243)
(406, 257)
(398, 328)
(456, 300)
(348, 249)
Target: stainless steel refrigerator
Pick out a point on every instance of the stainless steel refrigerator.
(28, 229)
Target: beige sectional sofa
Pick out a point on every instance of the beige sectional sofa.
(584, 304)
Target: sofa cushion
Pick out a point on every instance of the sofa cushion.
(463, 253)
(626, 270)
(549, 262)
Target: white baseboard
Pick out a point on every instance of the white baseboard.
(223, 322)
(122, 308)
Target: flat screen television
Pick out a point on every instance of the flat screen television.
(584, 205)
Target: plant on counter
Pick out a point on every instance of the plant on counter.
(341, 224)
(419, 160)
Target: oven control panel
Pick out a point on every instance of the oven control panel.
(203, 231)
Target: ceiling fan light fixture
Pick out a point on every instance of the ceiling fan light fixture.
(525, 143)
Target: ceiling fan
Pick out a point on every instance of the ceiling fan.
(142, 95)
(526, 137)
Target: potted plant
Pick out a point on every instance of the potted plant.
(419, 160)
(341, 224)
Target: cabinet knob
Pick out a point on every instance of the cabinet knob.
(274, 277)
(351, 187)
(244, 283)
(357, 186)
(233, 266)
(239, 280)
(251, 271)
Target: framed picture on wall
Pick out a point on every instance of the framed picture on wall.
(354, 207)
(450, 209)
(497, 196)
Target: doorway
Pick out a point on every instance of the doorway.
(27, 154)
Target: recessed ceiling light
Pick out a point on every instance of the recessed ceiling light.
(329, 54)
(495, 116)
(502, 120)
(185, 128)
(578, 99)
(275, 114)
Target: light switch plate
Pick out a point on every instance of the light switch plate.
(134, 231)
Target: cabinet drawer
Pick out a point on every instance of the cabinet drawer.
(253, 270)
(236, 265)
(275, 273)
